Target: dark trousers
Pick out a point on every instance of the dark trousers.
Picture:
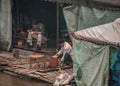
(67, 58)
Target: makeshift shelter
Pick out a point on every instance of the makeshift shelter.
(88, 57)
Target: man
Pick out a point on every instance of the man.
(65, 53)
(37, 33)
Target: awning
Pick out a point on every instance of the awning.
(64, 1)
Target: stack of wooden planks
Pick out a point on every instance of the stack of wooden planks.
(20, 67)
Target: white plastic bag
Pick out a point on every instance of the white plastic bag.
(63, 79)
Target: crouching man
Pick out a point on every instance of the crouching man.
(65, 53)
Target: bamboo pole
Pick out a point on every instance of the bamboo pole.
(57, 22)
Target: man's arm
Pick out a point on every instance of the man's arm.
(34, 32)
(60, 52)
(62, 59)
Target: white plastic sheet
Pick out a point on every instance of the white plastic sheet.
(108, 32)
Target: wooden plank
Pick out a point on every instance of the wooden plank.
(49, 78)
(10, 68)
(57, 73)
(21, 70)
(43, 74)
(33, 75)
(31, 71)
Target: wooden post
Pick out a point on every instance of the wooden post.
(57, 23)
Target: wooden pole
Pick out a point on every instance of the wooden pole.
(57, 23)
(18, 14)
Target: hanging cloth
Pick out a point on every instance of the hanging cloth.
(116, 70)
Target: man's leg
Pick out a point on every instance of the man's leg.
(39, 41)
(67, 59)
(29, 39)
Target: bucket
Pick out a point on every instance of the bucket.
(16, 53)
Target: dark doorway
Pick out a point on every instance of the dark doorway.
(25, 11)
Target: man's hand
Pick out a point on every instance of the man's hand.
(34, 32)
(55, 56)
(29, 30)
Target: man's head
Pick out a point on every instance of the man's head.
(61, 43)
(35, 24)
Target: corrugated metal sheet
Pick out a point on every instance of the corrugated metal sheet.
(111, 2)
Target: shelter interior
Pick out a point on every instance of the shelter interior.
(25, 11)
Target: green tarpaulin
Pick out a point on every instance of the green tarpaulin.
(91, 61)
(81, 17)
